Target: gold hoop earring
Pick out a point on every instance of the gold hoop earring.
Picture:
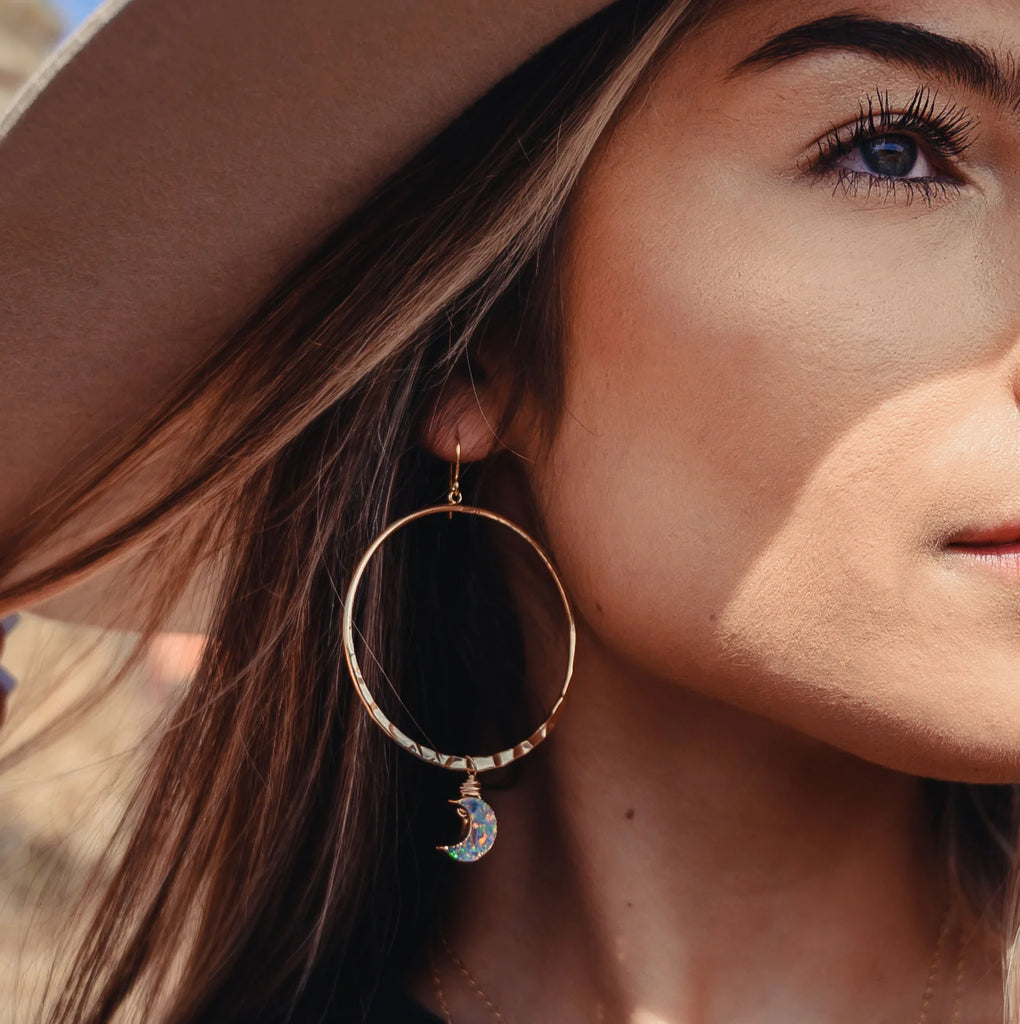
(478, 818)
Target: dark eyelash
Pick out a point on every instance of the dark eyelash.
(851, 182)
(948, 130)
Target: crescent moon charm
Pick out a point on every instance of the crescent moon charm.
(479, 824)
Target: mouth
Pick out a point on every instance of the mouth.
(998, 544)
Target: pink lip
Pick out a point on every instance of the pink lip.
(996, 546)
(987, 536)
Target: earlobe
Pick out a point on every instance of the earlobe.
(465, 413)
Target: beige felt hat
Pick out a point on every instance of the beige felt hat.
(172, 157)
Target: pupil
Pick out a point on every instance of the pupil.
(892, 155)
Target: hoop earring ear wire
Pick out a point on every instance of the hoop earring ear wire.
(478, 818)
(453, 496)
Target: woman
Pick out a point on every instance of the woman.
(717, 302)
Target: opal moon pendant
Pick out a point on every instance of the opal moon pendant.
(479, 823)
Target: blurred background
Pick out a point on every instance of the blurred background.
(29, 29)
(59, 805)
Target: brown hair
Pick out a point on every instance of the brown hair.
(267, 866)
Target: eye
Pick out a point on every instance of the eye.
(916, 150)
(888, 156)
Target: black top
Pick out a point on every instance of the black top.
(393, 1006)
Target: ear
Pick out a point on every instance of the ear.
(469, 412)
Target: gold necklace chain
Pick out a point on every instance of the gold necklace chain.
(933, 973)
(929, 987)
(468, 977)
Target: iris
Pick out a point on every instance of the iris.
(891, 155)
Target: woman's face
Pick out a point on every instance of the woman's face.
(793, 377)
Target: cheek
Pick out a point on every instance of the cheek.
(765, 430)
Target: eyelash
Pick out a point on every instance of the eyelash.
(947, 132)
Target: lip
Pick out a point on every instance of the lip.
(1001, 534)
(996, 546)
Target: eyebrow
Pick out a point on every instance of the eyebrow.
(898, 43)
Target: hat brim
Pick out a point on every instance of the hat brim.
(173, 157)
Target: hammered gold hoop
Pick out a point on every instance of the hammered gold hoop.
(474, 763)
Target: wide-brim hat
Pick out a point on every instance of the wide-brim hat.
(172, 158)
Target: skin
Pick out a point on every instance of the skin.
(783, 398)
